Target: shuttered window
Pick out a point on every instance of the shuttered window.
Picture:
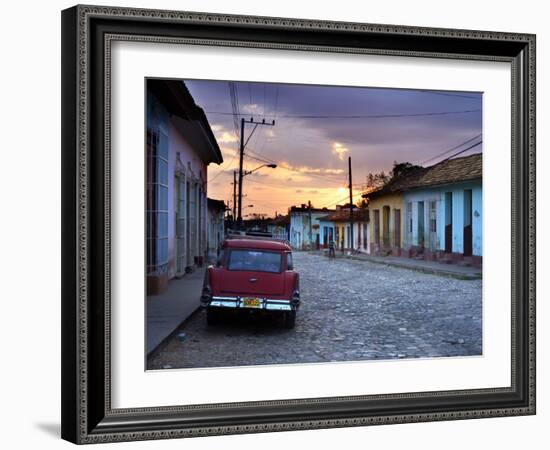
(157, 201)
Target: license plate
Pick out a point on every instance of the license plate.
(251, 302)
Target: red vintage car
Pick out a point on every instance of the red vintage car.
(254, 275)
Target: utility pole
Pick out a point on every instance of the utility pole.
(241, 157)
(310, 231)
(234, 218)
(350, 204)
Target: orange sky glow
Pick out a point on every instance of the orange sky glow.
(317, 128)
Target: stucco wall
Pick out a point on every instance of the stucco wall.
(458, 217)
(322, 224)
(300, 228)
(192, 167)
(412, 236)
(215, 233)
(343, 227)
(394, 201)
(437, 194)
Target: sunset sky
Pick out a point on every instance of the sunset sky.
(318, 127)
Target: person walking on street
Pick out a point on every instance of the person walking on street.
(331, 252)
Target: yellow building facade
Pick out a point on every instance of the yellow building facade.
(387, 222)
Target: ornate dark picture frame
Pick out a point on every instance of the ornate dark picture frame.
(87, 34)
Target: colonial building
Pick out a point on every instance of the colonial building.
(216, 229)
(304, 227)
(279, 227)
(179, 147)
(434, 212)
(327, 231)
(386, 225)
(444, 211)
(337, 226)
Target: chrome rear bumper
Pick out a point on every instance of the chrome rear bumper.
(237, 302)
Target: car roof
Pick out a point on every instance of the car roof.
(257, 244)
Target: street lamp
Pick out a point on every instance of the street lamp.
(271, 166)
(248, 172)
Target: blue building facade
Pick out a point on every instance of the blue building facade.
(442, 209)
(445, 219)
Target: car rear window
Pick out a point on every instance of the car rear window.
(255, 260)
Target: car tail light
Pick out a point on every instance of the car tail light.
(206, 294)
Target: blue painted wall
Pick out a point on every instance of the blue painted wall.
(437, 194)
(322, 225)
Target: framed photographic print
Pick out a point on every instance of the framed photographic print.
(282, 224)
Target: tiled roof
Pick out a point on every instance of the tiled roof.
(281, 220)
(176, 98)
(215, 204)
(342, 215)
(450, 171)
(306, 209)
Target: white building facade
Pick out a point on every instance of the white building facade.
(336, 226)
(304, 232)
(180, 145)
(216, 229)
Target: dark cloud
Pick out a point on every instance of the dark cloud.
(305, 142)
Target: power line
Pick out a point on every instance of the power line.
(241, 158)
(222, 170)
(234, 95)
(257, 158)
(328, 205)
(451, 149)
(264, 136)
(223, 167)
(234, 106)
(366, 116)
(449, 94)
(462, 151)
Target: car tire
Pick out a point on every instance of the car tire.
(213, 317)
(289, 319)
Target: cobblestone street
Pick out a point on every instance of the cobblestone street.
(351, 310)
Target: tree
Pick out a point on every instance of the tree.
(377, 180)
(402, 169)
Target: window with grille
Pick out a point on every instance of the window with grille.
(377, 226)
(410, 216)
(181, 251)
(433, 217)
(157, 202)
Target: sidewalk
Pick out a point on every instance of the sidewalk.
(433, 267)
(165, 312)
